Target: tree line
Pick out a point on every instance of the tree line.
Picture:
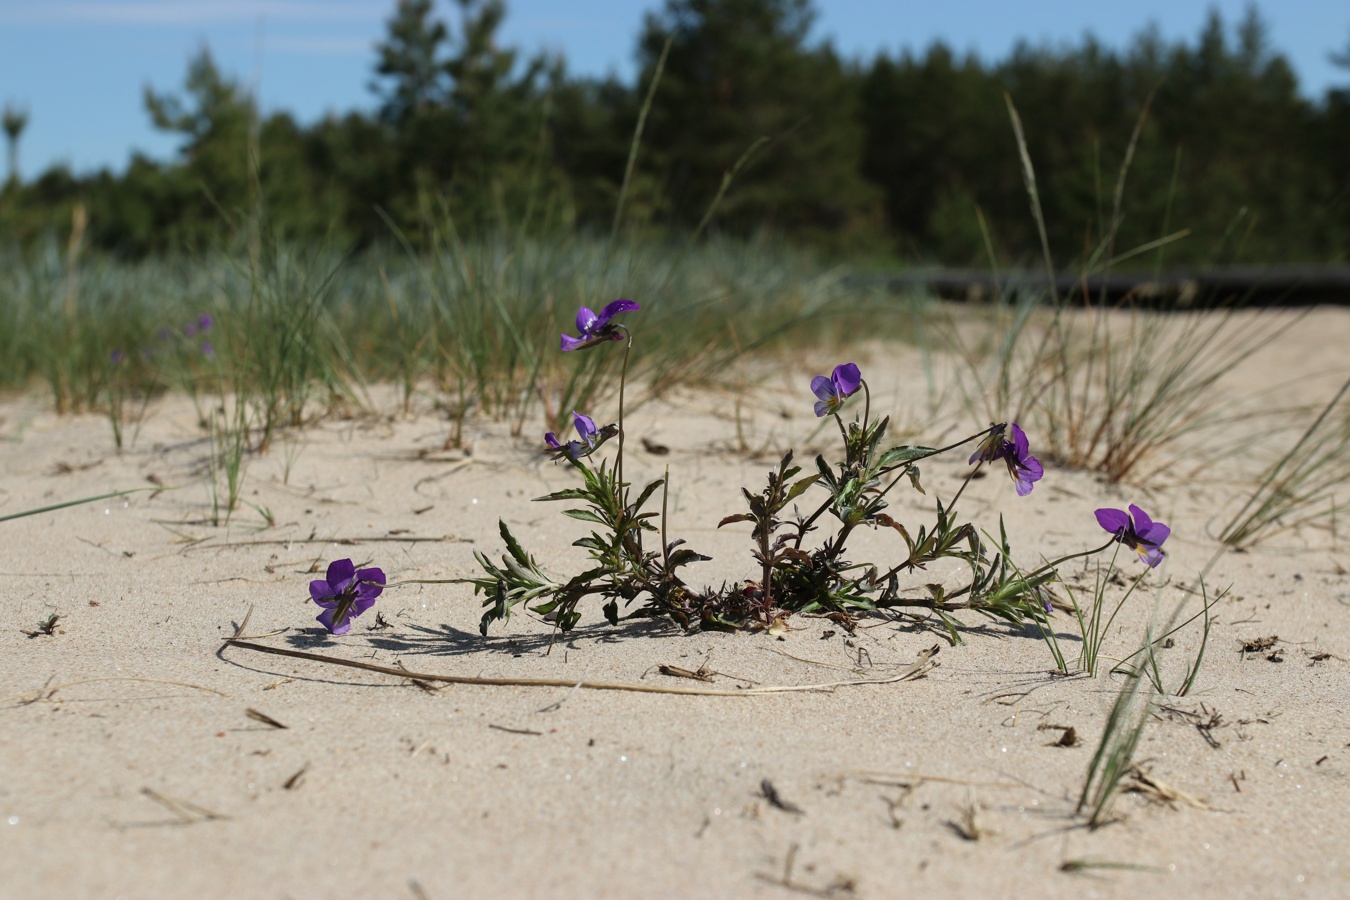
(747, 125)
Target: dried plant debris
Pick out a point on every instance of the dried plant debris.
(186, 812)
(770, 793)
(1068, 736)
(1140, 781)
(1259, 644)
(263, 717)
(1205, 721)
(702, 674)
(841, 885)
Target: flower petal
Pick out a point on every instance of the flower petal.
(325, 619)
(1020, 443)
(585, 426)
(822, 408)
(320, 591)
(846, 378)
(613, 309)
(340, 574)
(571, 343)
(1155, 534)
(1113, 520)
(1027, 473)
(370, 584)
(552, 440)
(823, 388)
(1142, 523)
(586, 321)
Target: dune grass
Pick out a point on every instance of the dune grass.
(471, 326)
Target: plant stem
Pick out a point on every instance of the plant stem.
(623, 380)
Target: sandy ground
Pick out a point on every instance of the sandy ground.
(139, 771)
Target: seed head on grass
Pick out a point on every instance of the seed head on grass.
(1024, 468)
(345, 594)
(596, 328)
(1136, 531)
(832, 391)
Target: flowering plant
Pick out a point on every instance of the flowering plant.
(802, 559)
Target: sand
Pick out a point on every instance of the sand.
(140, 772)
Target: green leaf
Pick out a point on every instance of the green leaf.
(569, 494)
(647, 492)
(799, 488)
(585, 515)
(902, 454)
(739, 517)
(684, 557)
(512, 545)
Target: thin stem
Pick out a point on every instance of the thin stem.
(867, 405)
(1063, 559)
(623, 380)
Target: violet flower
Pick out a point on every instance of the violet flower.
(1024, 468)
(116, 357)
(1136, 531)
(833, 391)
(575, 450)
(596, 329)
(345, 594)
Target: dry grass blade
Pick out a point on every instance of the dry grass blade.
(46, 692)
(919, 667)
(188, 813)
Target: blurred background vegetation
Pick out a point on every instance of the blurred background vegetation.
(894, 159)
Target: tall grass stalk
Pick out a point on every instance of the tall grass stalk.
(1305, 476)
(1115, 751)
(1110, 390)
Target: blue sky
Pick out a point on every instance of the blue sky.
(80, 66)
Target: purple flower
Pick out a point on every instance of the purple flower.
(116, 357)
(1024, 468)
(575, 450)
(208, 348)
(1136, 531)
(596, 329)
(204, 322)
(345, 594)
(831, 392)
